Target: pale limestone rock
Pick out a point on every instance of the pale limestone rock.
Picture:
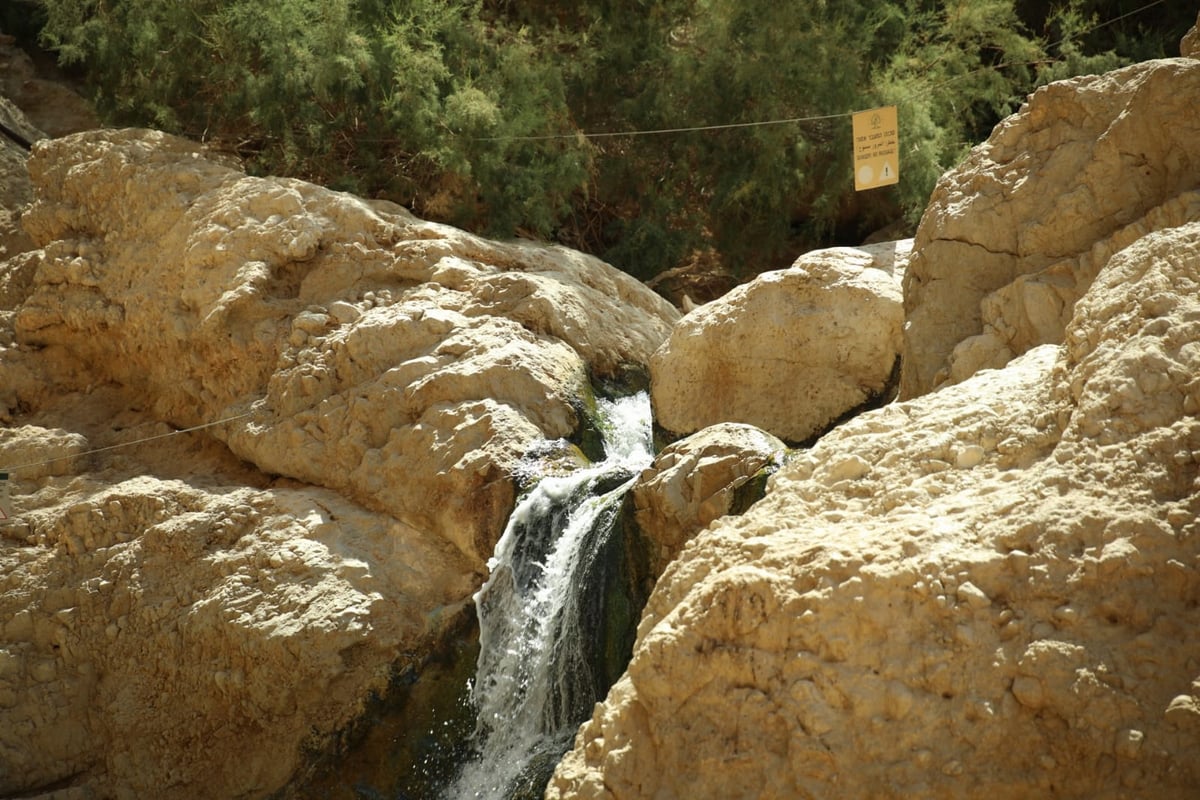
(790, 352)
(184, 616)
(1014, 236)
(994, 595)
(1034, 309)
(445, 358)
(695, 481)
(188, 638)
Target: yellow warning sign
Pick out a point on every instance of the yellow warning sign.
(876, 148)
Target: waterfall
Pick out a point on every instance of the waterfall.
(535, 681)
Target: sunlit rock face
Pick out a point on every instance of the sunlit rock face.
(1014, 236)
(375, 352)
(790, 352)
(182, 615)
(984, 590)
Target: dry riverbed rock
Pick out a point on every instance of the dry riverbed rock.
(183, 615)
(790, 352)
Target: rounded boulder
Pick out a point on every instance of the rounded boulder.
(791, 352)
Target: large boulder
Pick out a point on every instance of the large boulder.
(790, 352)
(189, 633)
(406, 365)
(986, 591)
(1014, 236)
(261, 438)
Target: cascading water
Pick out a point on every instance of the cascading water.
(536, 678)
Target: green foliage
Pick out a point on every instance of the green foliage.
(1092, 36)
(1097, 35)
(505, 100)
(385, 98)
(760, 195)
(471, 111)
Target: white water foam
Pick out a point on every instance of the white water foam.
(533, 683)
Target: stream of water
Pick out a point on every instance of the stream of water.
(536, 679)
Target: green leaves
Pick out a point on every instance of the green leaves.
(472, 111)
(417, 100)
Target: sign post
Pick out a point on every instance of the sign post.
(876, 148)
(5, 502)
